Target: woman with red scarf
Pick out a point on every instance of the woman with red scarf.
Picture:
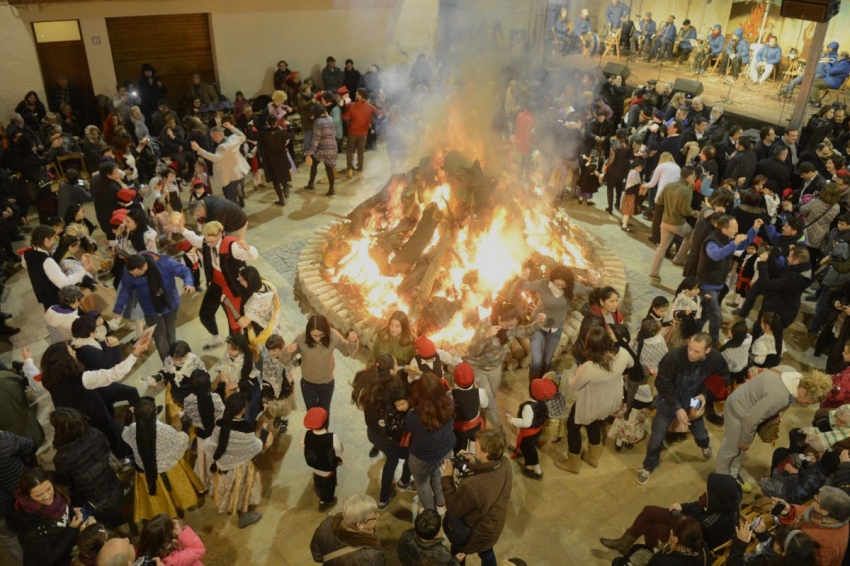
(46, 524)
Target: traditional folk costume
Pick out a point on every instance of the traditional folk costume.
(529, 422)
(202, 426)
(321, 452)
(468, 400)
(177, 378)
(278, 391)
(173, 485)
(222, 263)
(236, 482)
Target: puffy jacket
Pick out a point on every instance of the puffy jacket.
(44, 543)
(836, 73)
(742, 48)
(169, 270)
(189, 552)
(820, 215)
(770, 55)
(716, 43)
(686, 37)
(83, 465)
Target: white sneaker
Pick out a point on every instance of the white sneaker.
(114, 323)
(214, 343)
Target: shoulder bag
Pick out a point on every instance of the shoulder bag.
(340, 552)
(457, 531)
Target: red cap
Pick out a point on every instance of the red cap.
(319, 95)
(542, 389)
(424, 347)
(464, 375)
(787, 193)
(174, 165)
(342, 90)
(315, 418)
(126, 195)
(118, 217)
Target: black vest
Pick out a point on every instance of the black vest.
(437, 369)
(45, 291)
(230, 266)
(539, 409)
(467, 404)
(712, 272)
(319, 451)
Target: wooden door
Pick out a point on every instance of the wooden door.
(65, 58)
(177, 45)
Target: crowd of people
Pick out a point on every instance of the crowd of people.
(751, 220)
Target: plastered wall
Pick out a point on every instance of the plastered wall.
(249, 37)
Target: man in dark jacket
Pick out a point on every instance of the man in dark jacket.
(15, 452)
(352, 79)
(783, 286)
(672, 143)
(726, 148)
(811, 182)
(15, 413)
(742, 165)
(335, 537)
(681, 378)
(767, 135)
(332, 76)
(104, 191)
(817, 157)
(715, 261)
(774, 167)
(696, 133)
(212, 208)
(789, 140)
(65, 92)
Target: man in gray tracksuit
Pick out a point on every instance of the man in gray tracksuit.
(758, 400)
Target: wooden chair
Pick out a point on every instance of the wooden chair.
(77, 159)
(612, 41)
(842, 90)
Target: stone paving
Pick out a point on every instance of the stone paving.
(556, 521)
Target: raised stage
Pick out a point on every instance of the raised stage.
(754, 106)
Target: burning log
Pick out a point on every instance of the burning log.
(412, 250)
(423, 291)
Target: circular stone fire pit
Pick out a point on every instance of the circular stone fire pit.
(315, 284)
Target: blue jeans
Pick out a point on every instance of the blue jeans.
(488, 557)
(393, 453)
(660, 425)
(318, 395)
(426, 478)
(712, 312)
(543, 345)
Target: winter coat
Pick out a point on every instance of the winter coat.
(331, 535)
(274, 155)
(769, 55)
(592, 316)
(15, 413)
(783, 289)
(775, 170)
(795, 488)
(44, 543)
(411, 551)
(83, 465)
(836, 73)
(481, 501)
(819, 216)
(717, 509)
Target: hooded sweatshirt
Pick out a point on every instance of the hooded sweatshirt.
(717, 509)
(761, 398)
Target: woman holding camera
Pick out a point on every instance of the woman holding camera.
(174, 544)
(479, 500)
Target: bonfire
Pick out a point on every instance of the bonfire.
(443, 243)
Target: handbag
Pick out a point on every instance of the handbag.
(768, 430)
(405, 440)
(457, 531)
